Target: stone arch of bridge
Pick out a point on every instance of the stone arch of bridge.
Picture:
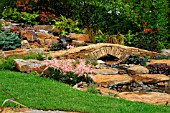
(119, 54)
(108, 57)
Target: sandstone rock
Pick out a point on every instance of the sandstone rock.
(25, 44)
(165, 52)
(126, 66)
(13, 28)
(14, 110)
(79, 37)
(78, 43)
(100, 64)
(72, 36)
(122, 71)
(164, 84)
(37, 50)
(43, 31)
(48, 42)
(137, 70)
(109, 71)
(105, 80)
(46, 39)
(16, 52)
(150, 78)
(80, 85)
(40, 41)
(20, 52)
(107, 92)
(44, 36)
(30, 65)
(159, 61)
(44, 27)
(147, 97)
(26, 34)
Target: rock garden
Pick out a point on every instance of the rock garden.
(121, 64)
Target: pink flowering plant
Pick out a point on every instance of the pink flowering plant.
(68, 71)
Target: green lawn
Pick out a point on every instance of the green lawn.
(43, 93)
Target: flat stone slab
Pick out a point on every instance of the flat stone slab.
(150, 78)
(109, 71)
(146, 97)
(105, 80)
(159, 61)
(20, 52)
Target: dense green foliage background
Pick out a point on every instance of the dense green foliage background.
(145, 24)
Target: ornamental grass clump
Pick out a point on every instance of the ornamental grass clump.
(68, 71)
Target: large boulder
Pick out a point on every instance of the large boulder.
(30, 65)
(79, 37)
(28, 35)
(136, 69)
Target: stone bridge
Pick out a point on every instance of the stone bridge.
(101, 50)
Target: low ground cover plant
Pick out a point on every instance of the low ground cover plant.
(132, 59)
(159, 68)
(7, 64)
(47, 94)
(160, 57)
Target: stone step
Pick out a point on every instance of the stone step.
(105, 80)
